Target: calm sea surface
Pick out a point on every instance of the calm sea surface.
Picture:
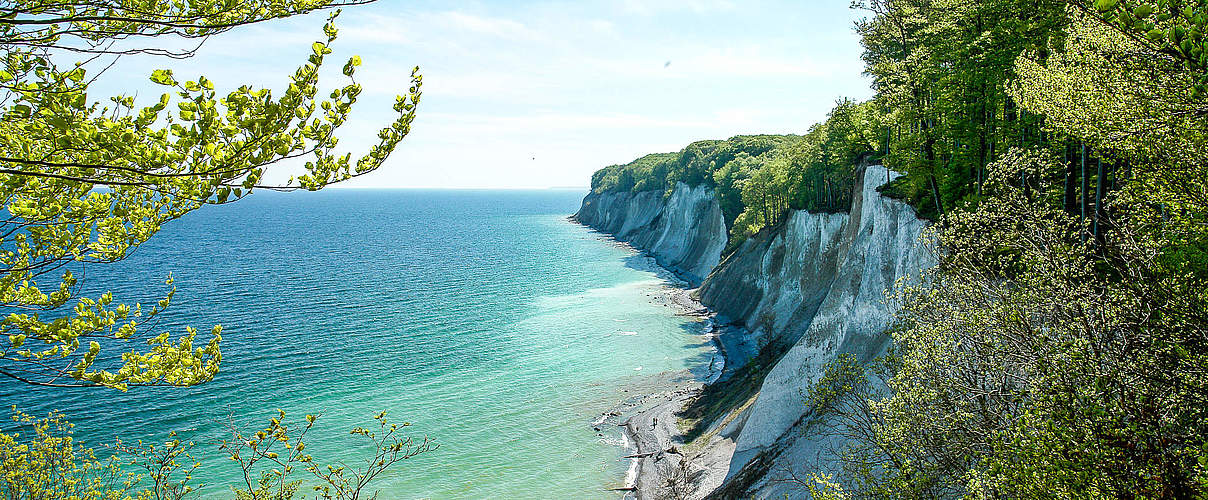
(484, 318)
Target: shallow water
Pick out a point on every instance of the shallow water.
(483, 318)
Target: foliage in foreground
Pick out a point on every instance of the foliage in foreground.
(1060, 349)
(86, 182)
(1037, 364)
(41, 460)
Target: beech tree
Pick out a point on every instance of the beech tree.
(940, 70)
(85, 181)
(1058, 350)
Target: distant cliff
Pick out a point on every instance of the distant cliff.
(803, 292)
(684, 232)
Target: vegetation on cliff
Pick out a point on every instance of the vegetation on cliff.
(758, 179)
(1061, 348)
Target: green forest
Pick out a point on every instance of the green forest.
(1060, 349)
(758, 178)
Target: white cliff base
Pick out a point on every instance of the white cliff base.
(803, 293)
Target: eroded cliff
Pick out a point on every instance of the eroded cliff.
(684, 232)
(816, 288)
(803, 292)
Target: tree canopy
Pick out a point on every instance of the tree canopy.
(758, 178)
(86, 181)
(1059, 349)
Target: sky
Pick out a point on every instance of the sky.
(542, 94)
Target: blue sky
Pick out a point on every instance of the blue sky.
(541, 94)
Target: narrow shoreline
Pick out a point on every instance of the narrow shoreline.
(649, 419)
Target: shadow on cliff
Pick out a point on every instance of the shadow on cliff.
(644, 261)
(700, 363)
(730, 394)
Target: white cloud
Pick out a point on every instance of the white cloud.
(378, 29)
(494, 26)
(548, 123)
(603, 27)
(418, 28)
(541, 94)
(647, 7)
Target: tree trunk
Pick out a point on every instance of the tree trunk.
(1071, 183)
(1023, 127)
(1086, 186)
(993, 126)
(1100, 185)
(935, 193)
(981, 147)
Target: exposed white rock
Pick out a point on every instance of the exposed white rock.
(684, 233)
(822, 282)
(813, 286)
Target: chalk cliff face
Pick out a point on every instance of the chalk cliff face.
(816, 284)
(684, 232)
(812, 289)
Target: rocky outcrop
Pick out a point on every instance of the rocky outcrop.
(808, 290)
(684, 232)
(817, 286)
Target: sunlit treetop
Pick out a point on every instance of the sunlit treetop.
(86, 181)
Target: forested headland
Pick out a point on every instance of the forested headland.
(1060, 349)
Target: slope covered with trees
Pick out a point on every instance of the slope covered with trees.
(1061, 348)
(758, 178)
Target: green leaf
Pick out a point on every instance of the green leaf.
(1105, 5)
(163, 77)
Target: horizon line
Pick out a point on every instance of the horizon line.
(465, 188)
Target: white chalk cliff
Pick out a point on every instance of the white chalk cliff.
(684, 232)
(810, 289)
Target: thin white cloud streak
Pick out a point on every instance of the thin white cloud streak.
(575, 87)
(646, 7)
(467, 123)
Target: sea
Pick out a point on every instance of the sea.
(484, 319)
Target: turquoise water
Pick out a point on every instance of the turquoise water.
(484, 318)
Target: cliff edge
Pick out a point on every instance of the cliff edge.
(803, 293)
(684, 232)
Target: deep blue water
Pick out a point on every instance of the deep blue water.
(483, 317)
